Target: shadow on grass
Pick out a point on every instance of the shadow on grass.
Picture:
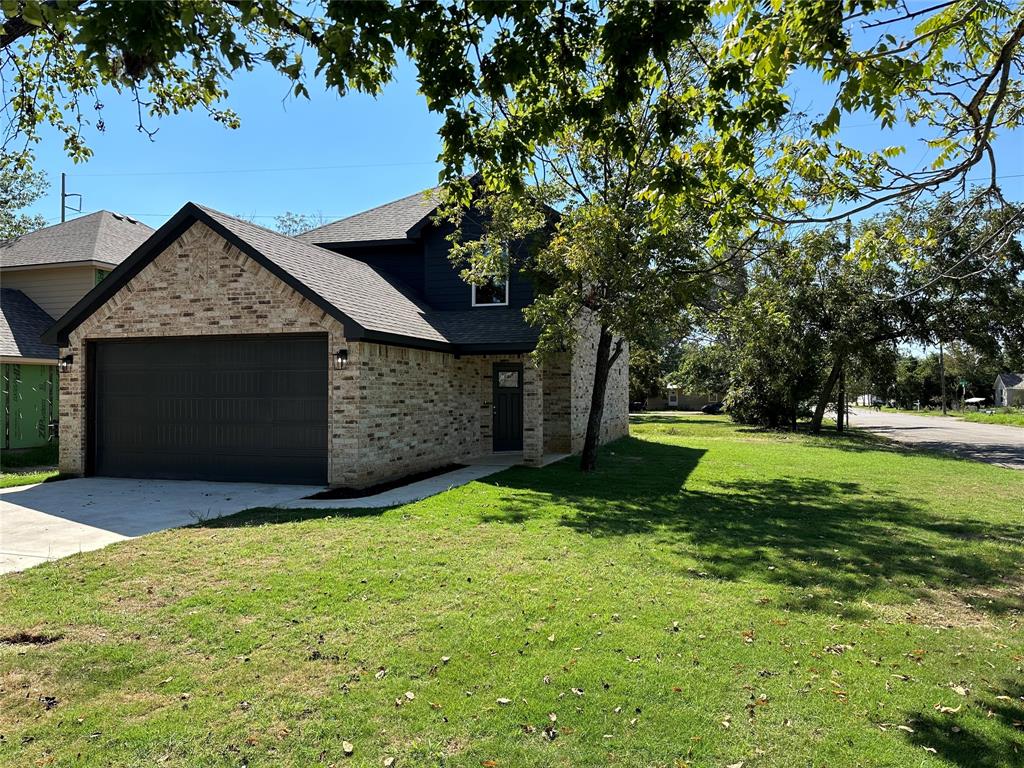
(835, 541)
(962, 741)
(277, 515)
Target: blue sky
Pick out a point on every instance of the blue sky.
(328, 155)
(387, 148)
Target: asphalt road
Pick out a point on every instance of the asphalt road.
(994, 443)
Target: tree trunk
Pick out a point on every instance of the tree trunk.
(602, 366)
(841, 401)
(942, 377)
(826, 393)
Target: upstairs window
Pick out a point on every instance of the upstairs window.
(493, 293)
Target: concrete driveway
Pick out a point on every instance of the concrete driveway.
(51, 520)
(994, 443)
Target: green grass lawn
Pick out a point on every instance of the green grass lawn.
(13, 464)
(11, 479)
(712, 595)
(1014, 418)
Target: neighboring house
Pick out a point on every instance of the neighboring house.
(678, 398)
(42, 274)
(350, 355)
(1010, 389)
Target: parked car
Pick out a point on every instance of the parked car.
(713, 408)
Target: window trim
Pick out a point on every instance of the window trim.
(473, 301)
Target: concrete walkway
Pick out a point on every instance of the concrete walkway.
(478, 468)
(52, 520)
(993, 443)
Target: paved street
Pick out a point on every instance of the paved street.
(994, 443)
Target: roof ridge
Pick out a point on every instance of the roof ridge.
(371, 210)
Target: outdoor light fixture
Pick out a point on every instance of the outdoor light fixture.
(340, 359)
(66, 361)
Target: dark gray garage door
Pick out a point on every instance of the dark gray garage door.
(243, 408)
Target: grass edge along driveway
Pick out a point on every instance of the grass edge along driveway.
(712, 595)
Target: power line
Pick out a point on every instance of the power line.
(216, 171)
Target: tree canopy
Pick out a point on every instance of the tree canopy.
(951, 70)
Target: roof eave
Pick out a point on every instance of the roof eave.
(362, 243)
(57, 264)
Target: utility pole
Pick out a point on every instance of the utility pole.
(942, 377)
(64, 195)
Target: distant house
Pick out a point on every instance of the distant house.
(673, 398)
(1010, 389)
(44, 273)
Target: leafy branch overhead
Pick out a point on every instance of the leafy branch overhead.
(951, 70)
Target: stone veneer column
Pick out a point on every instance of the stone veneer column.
(533, 413)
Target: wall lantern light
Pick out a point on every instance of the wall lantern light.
(340, 359)
(66, 361)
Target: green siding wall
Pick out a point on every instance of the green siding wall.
(28, 395)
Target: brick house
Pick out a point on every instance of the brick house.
(43, 273)
(349, 355)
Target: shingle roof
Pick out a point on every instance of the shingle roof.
(22, 322)
(391, 221)
(1012, 380)
(353, 287)
(102, 236)
(372, 306)
(485, 326)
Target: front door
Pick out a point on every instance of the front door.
(508, 407)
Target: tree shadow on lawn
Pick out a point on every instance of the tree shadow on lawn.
(837, 540)
(998, 743)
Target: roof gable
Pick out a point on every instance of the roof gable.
(102, 236)
(370, 305)
(1011, 380)
(364, 301)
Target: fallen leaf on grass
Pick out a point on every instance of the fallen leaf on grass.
(504, 702)
(347, 748)
(947, 710)
(389, 762)
(410, 695)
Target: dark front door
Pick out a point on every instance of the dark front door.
(508, 407)
(244, 408)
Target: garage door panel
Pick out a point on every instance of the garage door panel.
(225, 408)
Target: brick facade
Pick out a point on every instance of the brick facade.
(392, 410)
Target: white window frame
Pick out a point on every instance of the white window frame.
(473, 301)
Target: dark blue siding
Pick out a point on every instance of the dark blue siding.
(403, 262)
(444, 289)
